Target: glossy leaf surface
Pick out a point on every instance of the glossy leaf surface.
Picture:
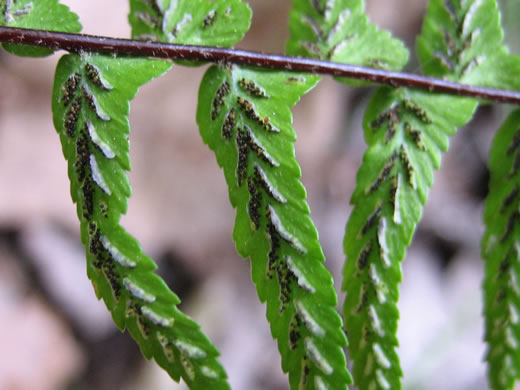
(339, 31)
(196, 22)
(407, 131)
(90, 110)
(36, 14)
(244, 116)
(501, 252)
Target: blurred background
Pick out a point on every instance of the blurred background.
(55, 335)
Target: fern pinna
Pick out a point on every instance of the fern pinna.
(501, 251)
(196, 22)
(339, 31)
(406, 131)
(42, 14)
(91, 104)
(244, 116)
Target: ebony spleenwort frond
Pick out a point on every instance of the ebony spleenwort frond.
(48, 15)
(339, 31)
(406, 132)
(244, 116)
(501, 252)
(197, 22)
(470, 49)
(90, 108)
(463, 41)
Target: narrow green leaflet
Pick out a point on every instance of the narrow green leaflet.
(406, 131)
(339, 31)
(90, 108)
(501, 252)
(498, 71)
(36, 14)
(196, 22)
(244, 116)
(469, 48)
(458, 39)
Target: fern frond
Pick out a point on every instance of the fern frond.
(244, 116)
(48, 15)
(90, 110)
(458, 37)
(339, 31)
(470, 49)
(406, 131)
(196, 22)
(501, 252)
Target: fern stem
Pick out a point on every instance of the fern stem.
(78, 43)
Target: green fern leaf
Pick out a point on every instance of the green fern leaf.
(244, 116)
(90, 109)
(41, 14)
(470, 49)
(406, 131)
(458, 37)
(196, 22)
(339, 31)
(501, 252)
(498, 71)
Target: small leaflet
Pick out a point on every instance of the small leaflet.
(378, 284)
(468, 17)
(316, 357)
(103, 146)
(261, 156)
(383, 382)
(259, 149)
(47, 15)
(206, 371)
(319, 384)
(267, 185)
(190, 350)
(375, 321)
(155, 318)
(166, 346)
(137, 291)
(308, 320)
(188, 367)
(381, 358)
(97, 176)
(300, 277)
(93, 103)
(123, 276)
(284, 234)
(116, 254)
